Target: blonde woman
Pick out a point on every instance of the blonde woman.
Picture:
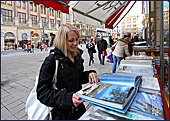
(70, 76)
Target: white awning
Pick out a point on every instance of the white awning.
(9, 37)
(106, 12)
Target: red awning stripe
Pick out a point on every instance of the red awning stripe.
(108, 26)
(55, 5)
(125, 14)
(117, 14)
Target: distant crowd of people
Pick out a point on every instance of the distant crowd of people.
(118, 50)
(30, 47)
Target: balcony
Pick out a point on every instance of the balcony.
(7, 22)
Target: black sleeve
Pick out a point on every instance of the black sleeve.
(45, 93)
(84, 75)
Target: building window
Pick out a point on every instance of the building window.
(43, 21)
(6, 15)
(59, 23)
(31, 6)
(134, 18)
(19, 4)
(52, 12)
(134, 21)
(129, 19)
(35, 7)
(34, 19)
(9, 3)
(3, 2)
(44, 10)
(59, 14)
(23, 5)
(52, 22)
(22, 17)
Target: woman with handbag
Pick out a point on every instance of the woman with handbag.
(91, 50)
(120, 48)
(70, 76)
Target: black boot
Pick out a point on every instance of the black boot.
(90, 62)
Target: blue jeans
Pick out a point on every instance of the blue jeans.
(115, 61)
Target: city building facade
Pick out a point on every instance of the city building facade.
(24, 22)
(130, 24)
(151, 22)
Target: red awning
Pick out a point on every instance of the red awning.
(56, 5)
(107, 12)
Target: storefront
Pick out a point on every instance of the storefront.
(24, 37)
(35, 39)
(9, 40)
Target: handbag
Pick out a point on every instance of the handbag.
(34, 108)
(104, 53)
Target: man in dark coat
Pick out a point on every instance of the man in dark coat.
(136, 38)
(101, 46)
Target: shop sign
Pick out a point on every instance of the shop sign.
(21, 32)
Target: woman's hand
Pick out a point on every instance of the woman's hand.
(93, 78)
(76, 100)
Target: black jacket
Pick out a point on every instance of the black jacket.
(90, 47)
(70, 76)
(101, 46)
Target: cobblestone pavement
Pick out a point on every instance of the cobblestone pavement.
(18, 72)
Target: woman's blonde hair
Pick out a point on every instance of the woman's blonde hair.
(61, 38)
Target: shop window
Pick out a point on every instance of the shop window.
(22, 17)
(6, 15)
(166, 22)
(34, 19)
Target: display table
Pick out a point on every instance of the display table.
(148, 49)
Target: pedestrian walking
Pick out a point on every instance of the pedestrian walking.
(121, 48)
(25, 47)
(29, 48)
(101, 46)
(46, 47)
(91, 50)
(15, 46)
(70, 76)
(32, 48)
